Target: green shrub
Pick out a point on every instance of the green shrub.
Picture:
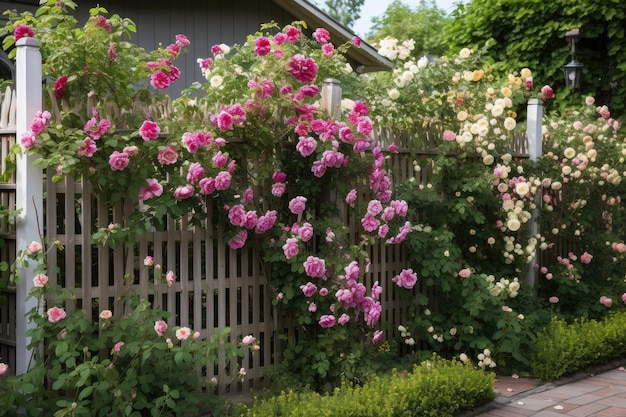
(563, 348)
(435, 388)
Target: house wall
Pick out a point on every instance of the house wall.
(205, 23)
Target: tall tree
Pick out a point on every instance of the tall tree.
(531, 33)
(425, 24)
(345, 11)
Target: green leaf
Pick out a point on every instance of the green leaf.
(61, 348)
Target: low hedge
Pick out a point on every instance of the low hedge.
(562, 349)
(436, 388)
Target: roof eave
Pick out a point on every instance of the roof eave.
(368, 59)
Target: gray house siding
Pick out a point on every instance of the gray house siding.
(205, 23)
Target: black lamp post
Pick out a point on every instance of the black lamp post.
(574, 69)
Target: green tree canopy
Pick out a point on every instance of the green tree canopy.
(344, 11)
(425, 24)
(531, 33)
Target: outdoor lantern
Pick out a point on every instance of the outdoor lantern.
(574, 69)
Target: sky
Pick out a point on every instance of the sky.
(373, 8)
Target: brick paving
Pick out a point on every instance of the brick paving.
(592, 394)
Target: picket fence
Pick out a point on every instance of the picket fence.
(216, 288)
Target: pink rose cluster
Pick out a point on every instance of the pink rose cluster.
(94, 129)
(351, 294)
(164, 72)
(229, 117)
(38, 125)
(248, 220)
(406, 279)
(606, 301)
(377, 218)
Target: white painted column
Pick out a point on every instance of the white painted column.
(535, 150)
(29, 185)
(331, 97)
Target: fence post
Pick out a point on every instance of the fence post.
(29, 185)
(535, 150)
(331, 97)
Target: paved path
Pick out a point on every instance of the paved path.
(584, 395)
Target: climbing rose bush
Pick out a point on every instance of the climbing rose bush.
(251, 147)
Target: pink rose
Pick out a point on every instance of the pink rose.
(222, 180)
(343, 319)
(351, 197)
(59, 86)
(327, 321)
(370, 223)
(237, 215)
(586, 258)
(118, 346)
(315, 267)
(239, 240)
(278, 189)
(28, 140)
(606, 301)
(22, 31)
(554, 299)
(248, 340)
(106, 314)
(207, 185)
(160, 327)
(266, 222)
(225, 121)
(407, 279)
(167, 156)
(220, 160)
(465, 273)
(292, 34)
(378, 336)
(321, 35)
(160, 80)
(55, 314)
(303, 69)
(308, 289)
(149, 130)
(262, 46)
(4, 368)
(297, 205)
(195, 173)
(148, 261)
(290, 248)
(40, 280)
(449, 136)
(305, 232)
(183, 333)
(170, 278)
(34, 247)
(118, 161)
(183, 192)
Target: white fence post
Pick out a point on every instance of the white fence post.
(331, 97)
(29, 185)
(535, 150)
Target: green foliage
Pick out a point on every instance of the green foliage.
(564, 348)
(532, 34)
(111, 366)
(344, 11)
(424, 25)
(435, 388)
